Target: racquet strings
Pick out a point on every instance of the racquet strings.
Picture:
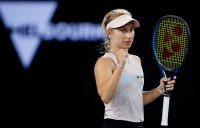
(171, 42)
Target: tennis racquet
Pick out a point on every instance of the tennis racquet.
(171, 38)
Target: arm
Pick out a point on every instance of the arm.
(107, 76)
(149, 96)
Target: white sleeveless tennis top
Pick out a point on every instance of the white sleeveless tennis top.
(127, 103)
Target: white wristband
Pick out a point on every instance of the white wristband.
(120, 65)
(161, 92)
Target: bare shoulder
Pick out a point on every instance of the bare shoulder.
(103, 61)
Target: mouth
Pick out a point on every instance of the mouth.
(127, 42)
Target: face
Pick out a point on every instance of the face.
(122, 37)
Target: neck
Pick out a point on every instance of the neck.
(114, 50)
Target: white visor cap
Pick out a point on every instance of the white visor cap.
(121, 21)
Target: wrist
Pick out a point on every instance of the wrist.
(120, 66)
(160, 91)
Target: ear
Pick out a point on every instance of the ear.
(109, 33)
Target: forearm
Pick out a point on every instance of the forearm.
(149, 96)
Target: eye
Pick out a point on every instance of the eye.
(122, 30)
(132, 29)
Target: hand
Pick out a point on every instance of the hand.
(121, 55)
(169, 84)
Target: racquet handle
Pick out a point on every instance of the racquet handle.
(165, 110)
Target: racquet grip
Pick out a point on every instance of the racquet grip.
(165, 111)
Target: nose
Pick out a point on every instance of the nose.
(129, 34)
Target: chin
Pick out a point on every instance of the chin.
(126, 47)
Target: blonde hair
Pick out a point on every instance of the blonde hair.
(108, 18)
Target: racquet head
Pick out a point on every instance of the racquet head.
(170, 42)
